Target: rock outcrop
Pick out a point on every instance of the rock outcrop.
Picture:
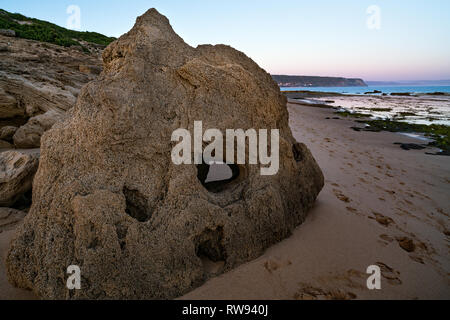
(108, 198)
(7, 133)
(37, 77)
(17, 169)
(29, 135)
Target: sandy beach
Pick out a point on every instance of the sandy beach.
(381, 205)
(377, 196)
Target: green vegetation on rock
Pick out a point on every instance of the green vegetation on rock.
(34, 29)
(353, 114)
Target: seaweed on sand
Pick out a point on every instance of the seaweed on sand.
(438, 132)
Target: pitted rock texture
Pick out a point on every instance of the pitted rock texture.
(108, 198)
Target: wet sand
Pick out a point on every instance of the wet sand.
(378, 201)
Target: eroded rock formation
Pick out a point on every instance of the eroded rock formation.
(17, 169)
(29, 135)
(108, 198)
(36, 78)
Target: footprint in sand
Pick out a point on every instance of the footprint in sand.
(385, 239)
(309, 292)
(391, 275)
(272, 265)
(416, 258)
(406, 244)
(341, 196)
(352, 210)
(335, 185)
(381, 219)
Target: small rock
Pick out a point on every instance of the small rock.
(7, 133)
(410, 146)
(29, 135)
(401, 94)
(17, 171)
(7, 32)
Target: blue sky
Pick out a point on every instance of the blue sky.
(327, 38)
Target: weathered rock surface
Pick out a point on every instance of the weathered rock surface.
(37, 77)
(5, 145)
(10, 218)
(17, 169)
(108, 198)
(29, 135)
(90, 69)
(7, 133)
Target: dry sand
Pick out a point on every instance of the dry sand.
(377, 196)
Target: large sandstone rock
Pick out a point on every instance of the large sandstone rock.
(29, 135)
(17, 171)
(108, 198)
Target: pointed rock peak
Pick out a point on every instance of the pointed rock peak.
(152, 17)
(155, 25)
(150, 38)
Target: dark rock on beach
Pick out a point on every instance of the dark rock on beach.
(410, 146)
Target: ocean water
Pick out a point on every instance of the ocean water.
(419, 109)
(384, 89)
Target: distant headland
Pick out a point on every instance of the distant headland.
(312, 81)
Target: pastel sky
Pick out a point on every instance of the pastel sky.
(315, 37)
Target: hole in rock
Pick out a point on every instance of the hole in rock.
(297, 150)
(208, 247)
(136, 205)
(218, 176)
(23, 203)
